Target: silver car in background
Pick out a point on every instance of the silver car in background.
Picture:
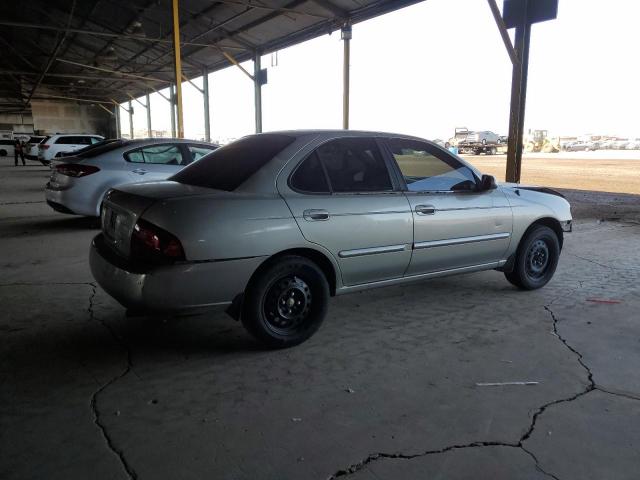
(78, 183)
(273, 224)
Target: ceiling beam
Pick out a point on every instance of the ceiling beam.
(54, 52)
(332, 7)
(281, 10)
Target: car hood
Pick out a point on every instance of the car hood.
(533, 188)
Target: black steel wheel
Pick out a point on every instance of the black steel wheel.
(286, 302)
(536, 258)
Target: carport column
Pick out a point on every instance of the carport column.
(257, 89)
(172, 102)
(518, 99)
(205, 95)
(130, 120)
(178, 67)
(116, 108)
(148, 116)
(346, 34)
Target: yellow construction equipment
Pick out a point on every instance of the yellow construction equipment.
(540, 141)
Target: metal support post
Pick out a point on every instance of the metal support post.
(148, 115)
(346, 35)
(257, 89)
(178, 67)
(205, 96)
(130, 121)
(116, 109)
(172, 103)
(518, 100)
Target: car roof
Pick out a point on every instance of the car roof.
(337, 133)
(75, 135)
(136, 141)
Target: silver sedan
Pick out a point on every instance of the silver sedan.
(78, 183)
(274, 224)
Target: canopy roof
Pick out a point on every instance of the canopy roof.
(106, 50)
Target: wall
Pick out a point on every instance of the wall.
(16, 122)
(54, 116)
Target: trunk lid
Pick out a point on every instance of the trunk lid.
(119, 214)
(161, 190)
(122, 207)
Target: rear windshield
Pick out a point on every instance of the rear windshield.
(230, 166)
(99, 148)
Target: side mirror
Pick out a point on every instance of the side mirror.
(487, 182)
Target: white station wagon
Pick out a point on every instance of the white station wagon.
(273, 224)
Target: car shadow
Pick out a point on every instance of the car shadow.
(58, 224)
(109, 343)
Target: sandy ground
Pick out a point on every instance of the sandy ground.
(602, 171)
(387, 388)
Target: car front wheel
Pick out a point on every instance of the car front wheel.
(286, 302)
(536, 259)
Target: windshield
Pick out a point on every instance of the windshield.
(230, 166)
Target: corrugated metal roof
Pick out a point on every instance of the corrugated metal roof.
(76, 42)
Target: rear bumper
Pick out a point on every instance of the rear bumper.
(60, 208)
(75, 200)
(169, 288)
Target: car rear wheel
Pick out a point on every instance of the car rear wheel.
(286, 303)
(536, 259)
(3, 153)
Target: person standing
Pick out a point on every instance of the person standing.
(18, 149)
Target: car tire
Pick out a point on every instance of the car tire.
(536, 259)
(484, 141)
(3, 153)
(286, 302)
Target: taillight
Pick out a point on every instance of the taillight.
(43, 146)
(76, 169)
(152, 243)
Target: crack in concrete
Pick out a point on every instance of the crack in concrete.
(131, 473)
(21, 203)
(617, 394)
(377, 456)
(535, 459)
(520, 444)
(593, 262)
(44, 284)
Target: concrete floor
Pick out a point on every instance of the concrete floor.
(385, 390)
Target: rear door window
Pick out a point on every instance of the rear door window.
(354, 165)
(310, 177)
(199, 151)
(67, 141)
(167, 154)
(230, 166)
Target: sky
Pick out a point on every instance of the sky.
(426, 69)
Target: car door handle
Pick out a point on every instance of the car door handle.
(425, 209)
(140, 171)
(315, 215)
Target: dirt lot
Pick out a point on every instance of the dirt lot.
(602, 171)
